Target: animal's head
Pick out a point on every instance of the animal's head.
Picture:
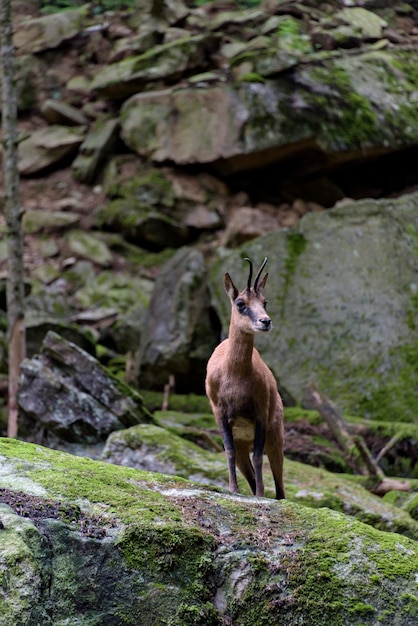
(249, 305)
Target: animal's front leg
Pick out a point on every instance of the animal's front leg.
(228, 440)
(259, 442)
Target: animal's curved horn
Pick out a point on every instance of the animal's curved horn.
(257, 278)
(250, 276)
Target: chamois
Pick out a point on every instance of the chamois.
(243, 392)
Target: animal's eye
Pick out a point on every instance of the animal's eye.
(265, 304)
(241, 306)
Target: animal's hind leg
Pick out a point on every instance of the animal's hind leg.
(229, 445)
(274, 449)
(244, 463)
(259, 443)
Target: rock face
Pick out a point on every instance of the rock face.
(343, 300)
(67, 393)
(204, 125)
(215, 125)
(90, 543)
(178, 336)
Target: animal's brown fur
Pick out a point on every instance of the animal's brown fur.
(243, 392)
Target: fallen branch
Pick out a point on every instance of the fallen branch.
(388, 446)
(168, 388)
(340, 429)
(354, 445)
(389, 484)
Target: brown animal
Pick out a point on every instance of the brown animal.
(243, 392)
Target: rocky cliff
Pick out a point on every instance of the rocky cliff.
(159, 146)
(172, 125)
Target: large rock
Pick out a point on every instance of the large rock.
(160, 207)
(343, 300)
(143, 225)
(268, 119)
(84, 542)
(68, 393)
(42, 33)
(178, 337)
(99, 144)
(164, 62)
(48, 146)
(161, 449)
(170, 11)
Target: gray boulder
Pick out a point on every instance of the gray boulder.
(43, 33)
(90, 543)
(99, 144)
(143, 225)
(178, 336)
(67, 394)
(266, 117)
(48, 146)
(164, 62)
(343, 300)
(58, 112)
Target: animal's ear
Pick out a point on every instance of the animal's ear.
(261, 285)
(230, 288)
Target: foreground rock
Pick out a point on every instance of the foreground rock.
(343, 299)
(91, 543)
(66, 394)
(153, 448)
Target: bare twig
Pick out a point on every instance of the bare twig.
(168, 388)
(339, 428)
(388, 446)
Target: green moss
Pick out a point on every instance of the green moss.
(120, 291)
(162, 551)
(296, 245)
(251, 77)
(410, 603)
(387, 400)
(347, 119)
(78, 478)
(186, 403)
(386, 395)
(150, 187)
(296, 413)
(172, 448)
(291, 36)
(326, 574)
(154, 539)
(275, 559)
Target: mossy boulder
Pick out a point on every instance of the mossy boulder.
(173, 450)
(167, 61)
(91, 543)
(343, 299)
(143, 225)
(343, 104)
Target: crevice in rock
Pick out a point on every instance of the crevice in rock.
(310, 174)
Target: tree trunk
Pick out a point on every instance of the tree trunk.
(15, 270)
